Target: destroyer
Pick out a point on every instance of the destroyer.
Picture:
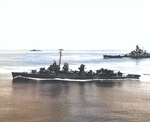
(53, 71)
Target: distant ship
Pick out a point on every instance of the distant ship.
(35, 50)
(54, 72)
(137, 53)
(113, 56)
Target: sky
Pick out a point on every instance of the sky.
(74, 24)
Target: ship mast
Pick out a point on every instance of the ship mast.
(60, 51)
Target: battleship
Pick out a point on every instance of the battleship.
(137, 53)
(54, 72)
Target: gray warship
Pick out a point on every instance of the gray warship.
(54, 72)
(137, 53)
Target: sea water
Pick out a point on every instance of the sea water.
(73, 101)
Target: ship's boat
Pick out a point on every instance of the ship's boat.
(53, 71)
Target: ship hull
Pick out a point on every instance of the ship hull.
(129, 56)
(70, 76)
(112, 56)
(137, 57)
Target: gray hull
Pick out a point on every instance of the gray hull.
(71, 76)
(112, 56)
(137, 57)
